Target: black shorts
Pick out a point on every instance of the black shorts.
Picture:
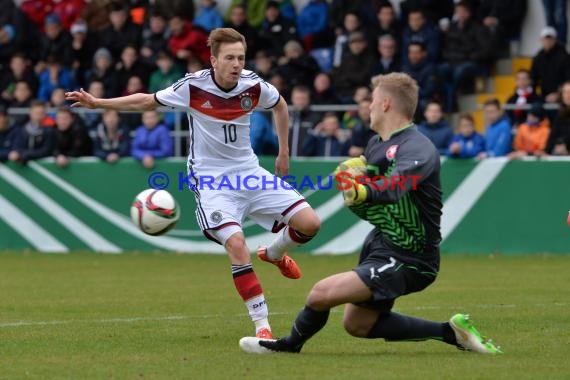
(389, 275)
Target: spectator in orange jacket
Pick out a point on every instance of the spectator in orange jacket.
(532, 135)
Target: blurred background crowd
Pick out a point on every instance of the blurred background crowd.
(320, 56)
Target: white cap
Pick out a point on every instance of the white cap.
(548, 31)
(79, 26)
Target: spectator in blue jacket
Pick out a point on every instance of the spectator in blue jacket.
(7, 135)
(208, 17)
(436, 128)
(54, 76)
(262, 134)
(112, 140)
(312, 24)
(152, 140)
(498, 131)
(467, 143)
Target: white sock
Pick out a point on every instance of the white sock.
(281, 244)
(261, 324)
(258, 311)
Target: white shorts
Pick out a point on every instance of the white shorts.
(224, 203)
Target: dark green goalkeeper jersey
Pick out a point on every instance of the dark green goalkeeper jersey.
(404, 196)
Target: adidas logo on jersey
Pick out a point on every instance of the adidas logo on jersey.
(207, 104)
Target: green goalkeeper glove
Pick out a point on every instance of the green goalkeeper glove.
(355, 194)
(354, 166)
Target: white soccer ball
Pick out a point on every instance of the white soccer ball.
(155, 212)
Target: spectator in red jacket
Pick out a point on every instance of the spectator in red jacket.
(187, 42)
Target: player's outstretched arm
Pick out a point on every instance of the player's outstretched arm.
(134, 102)
(281, 114)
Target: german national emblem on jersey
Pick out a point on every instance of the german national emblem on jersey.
(246, 102)
(216, 217)
(391, 152)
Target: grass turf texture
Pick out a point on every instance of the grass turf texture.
(92, 316)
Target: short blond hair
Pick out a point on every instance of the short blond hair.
(220, 36)
(402, 88)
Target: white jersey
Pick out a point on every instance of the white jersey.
(219, 119)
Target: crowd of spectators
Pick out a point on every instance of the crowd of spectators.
(324, 53)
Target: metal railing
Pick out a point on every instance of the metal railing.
(177, 132)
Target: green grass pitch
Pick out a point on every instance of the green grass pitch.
(166, 316)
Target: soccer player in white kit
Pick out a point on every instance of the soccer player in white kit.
(219, 102)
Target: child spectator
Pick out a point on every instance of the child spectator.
(559, 140)
(355, 67)
(498, 132)
(155, 38)
(361, 132)
(187, 42)
(83, 47)
(121, 31)
(467, 143)
(166, 74)
(296, 66)
(152, 140)
(239, 21)
(436, 128)
(532, 135)
(323, 92)
(524, 94)
(262, 135)
(19, 71)
(7, 135)
(112, 139)
(301, 119)
(327, 139)
(102, 70)
(53, 76)
(36, 138)
(71, 138)
(208, 17)
(91, 119)
(275, 30)
(129, 66)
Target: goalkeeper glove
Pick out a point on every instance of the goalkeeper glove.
(354, 166)
(355, 194)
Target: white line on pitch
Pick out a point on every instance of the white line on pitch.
(182, 317)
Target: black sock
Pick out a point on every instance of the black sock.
(307, 324)
(397, 327)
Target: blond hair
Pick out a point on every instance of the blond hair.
(220, 36)
(402, 88)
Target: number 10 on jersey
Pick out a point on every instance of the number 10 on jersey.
(230, 133)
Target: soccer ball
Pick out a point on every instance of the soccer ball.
(155, 212)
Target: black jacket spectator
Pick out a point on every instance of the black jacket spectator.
(355, 68)
(238, 21)
(7, 135)
(33, 142)
(510, 15)
(470, 43)
(550, 68)
(275, 30)
(55, 41)
(297, 67)
(120, 33)
(560, 134)
(71, 137)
